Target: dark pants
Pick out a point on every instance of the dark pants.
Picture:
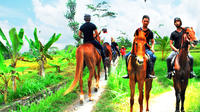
(150, 62)
(115, 48)
(98, 46)
(169, 60)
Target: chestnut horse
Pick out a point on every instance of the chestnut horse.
(86, 55)
(182, 67)
(137, 65)
(108, 58)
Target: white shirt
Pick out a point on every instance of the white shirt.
(106, 38)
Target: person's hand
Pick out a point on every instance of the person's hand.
(177, 50)
(153, 50)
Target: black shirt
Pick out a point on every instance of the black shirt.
(114, 44)
(148, 35)
(87, 29)
(176, 37)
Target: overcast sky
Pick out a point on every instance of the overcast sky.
(48, 17)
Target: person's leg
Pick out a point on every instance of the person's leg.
(169, 65)
(150, 63)
(126, 57)
(99, 46)
(117, 50)
(192, 74)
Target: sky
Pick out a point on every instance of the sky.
(48, 17)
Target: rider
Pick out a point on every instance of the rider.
(149, 50)
(115, 46)
(105, 36)
(87, 29)
(175, 38)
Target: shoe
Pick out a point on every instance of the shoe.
(125, 76)
(192, 75)
(149, 76)
(170, 74)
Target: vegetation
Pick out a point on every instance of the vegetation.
(42, 49)
(12, 49)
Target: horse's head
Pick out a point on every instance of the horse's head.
(139, 47)
(190, 36)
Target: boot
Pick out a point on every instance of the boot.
(126, 76)
(169, 75)
(150, 66)
(192, 75)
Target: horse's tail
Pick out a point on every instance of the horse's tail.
(79, 68)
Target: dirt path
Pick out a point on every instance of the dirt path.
(87, 105)
(164, 102)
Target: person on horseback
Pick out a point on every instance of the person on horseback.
(149, 50)
(87, 29)
(115, 46)
(175, 38)
(105, 36)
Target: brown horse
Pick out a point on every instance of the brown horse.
(137, 64)
(182, 67)
(86, 55)
(108, 58)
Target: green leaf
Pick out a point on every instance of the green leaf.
(4, 38)
(14, 40)
(3, 48)
(52, 40)
(37, 44)
(20, 38)
(47, 55)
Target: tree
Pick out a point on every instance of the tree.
(12, 49)
(6, 74)
(163, 43)
(123, 40)
(101, 10)
(42, 49)
(73, 24)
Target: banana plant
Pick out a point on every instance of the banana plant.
(6, 74)
(37, 46)
(13, 48)
(163, 42)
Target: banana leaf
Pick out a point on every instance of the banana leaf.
(37, 44)
(4, 38)
(3, 48)
(52, 40)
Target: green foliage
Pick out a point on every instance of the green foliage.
(163, 44)
(124, 41)
(73, 24)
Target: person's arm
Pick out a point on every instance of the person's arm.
(152, 45)
(80, 34)
(172, 46)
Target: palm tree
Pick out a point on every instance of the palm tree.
(42, 49)
(12, 49)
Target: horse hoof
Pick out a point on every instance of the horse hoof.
(96, 89)
(81, 99)
(91, 98)
(177, 111)
(182, 110)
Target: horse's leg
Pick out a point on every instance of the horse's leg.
(98, 73)
(182, 100)
(140, 87)
(81, 87)
(177, 100)
(105, 69)
(132, 87)
(148, 87)
(92, 70)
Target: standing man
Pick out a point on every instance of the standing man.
(176, 39)
(87, 29)
(148, 49)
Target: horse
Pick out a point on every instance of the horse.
(86, 55)
(137, 66)
(108, 58)
(182, 67)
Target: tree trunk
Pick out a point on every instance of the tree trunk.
(13, 77)
(58, 69)
(42, 72)
(162, 55)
